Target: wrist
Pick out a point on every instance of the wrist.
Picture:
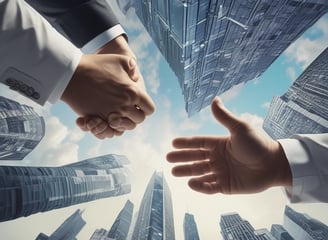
(284, 174)
(118, 45)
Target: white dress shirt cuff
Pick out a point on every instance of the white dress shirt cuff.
(58, 91)
(305, 178)
(103, 38)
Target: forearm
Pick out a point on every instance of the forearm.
(80, 21)
(46, 65)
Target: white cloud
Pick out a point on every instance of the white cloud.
(306, 49)
(291, 73)
(232, 92)
(58, 147)
(266, 105)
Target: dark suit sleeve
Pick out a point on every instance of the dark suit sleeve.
(78, 20)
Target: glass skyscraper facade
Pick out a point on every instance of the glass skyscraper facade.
(28, 190)
(121, 225)
(280, 233)
(155, 216)
(190, 227)
(214, 45)
(100, 234)
(68, 229)
(301, 226)
(21, 129)
(234, 227)
(304, 107)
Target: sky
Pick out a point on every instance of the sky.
(147, 145)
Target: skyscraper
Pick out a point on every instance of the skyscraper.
(304, 107)
(21, 129)
(234, 227)
(280, 233)
(68, 229)
(99, 234)
(120, 227)
(155, 216)
(28, 190)
(190, 228)
(301, 226)
(214, 45)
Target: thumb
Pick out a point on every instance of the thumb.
(224, 116)
(131, 68)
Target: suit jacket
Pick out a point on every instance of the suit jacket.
(35, 59)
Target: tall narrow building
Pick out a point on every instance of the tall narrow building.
(155, 216)
(190, 227)
(301, 226)
(214, 45)
(21, 129)
(28, 190)
(234, 227)
(121, 225)
(303, 109)
(100, 234)
(280, 233)
(68, 229)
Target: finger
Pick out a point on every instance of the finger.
(224, 116)
(118, 133)
(145, 103)
(99, 128)
(194, 169)
(208, 184)
(107, 133)
(195, 142)
(133, 70)
(187, 155)
(81, 123)
(121, 124)
(135, 114)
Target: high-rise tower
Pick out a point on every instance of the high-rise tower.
(121, 225)
(190, 227)
(301, 226)
(68, 229)
(214, 45)
(280, 233)
(234, 227)
(155, 216)
(28, 190)
(21, 129)
(304, 107)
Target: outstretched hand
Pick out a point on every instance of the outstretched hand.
(243, 162)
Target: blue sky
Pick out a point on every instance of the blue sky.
(148, 144)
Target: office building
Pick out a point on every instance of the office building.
(155, 216)
(121, 225)
(303, 109)
(190, 227)
(234, 227)
(280, 233)
(28, 190)
(302, 226)
(68, 229)
(100, 234)
(21, 129)
(212, 46)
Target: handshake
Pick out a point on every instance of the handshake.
(108, 92)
